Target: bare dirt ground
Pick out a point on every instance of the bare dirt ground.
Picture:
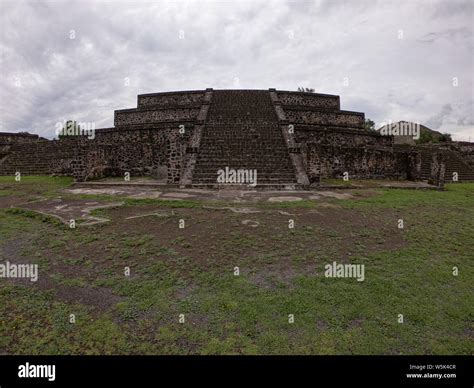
(215, 235)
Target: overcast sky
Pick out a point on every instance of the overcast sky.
(392, 59)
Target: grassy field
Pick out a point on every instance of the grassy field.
(188, 274)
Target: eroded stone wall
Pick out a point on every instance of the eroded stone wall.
(163, 99)
(341, 137)
(139, 117)
(326, 161)
(330, 152)
(339, 119)
(143, 152)
(15, 138)
(466, 150)
(309, 99)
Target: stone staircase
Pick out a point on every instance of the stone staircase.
(242, 132)
(453, 163)
(19, 158)
(42, 157)
(426, 156)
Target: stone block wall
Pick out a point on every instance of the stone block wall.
(191, 98)
(153, 116)
(145, 152)
(327, 161)
(341, 137)
(329, 152)
(15, 138)
(466, 150)
(315, 100)
(141, 152)
(314, 117)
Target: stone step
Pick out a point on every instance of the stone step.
(213, 179)
(230, 139)
(213, 172)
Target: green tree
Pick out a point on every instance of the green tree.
(445, 137)
(70, 128)
(306, 90)
(369, 125)
(426, 137)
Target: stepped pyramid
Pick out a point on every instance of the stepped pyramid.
(186, 138)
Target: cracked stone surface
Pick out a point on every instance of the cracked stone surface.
(244, 210)
(66, 210)
(154, 214)
(251, 223)
(284, 199)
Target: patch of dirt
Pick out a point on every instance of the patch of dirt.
(218, 240)
(270, 278)
(6, 201)
(100, 299)
(335, 194)
(355, 323)
(322, 325)
(178, 195)
(329, 205)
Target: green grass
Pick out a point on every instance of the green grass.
(454, 195)
(36, 215)
(33, 185)
(303, 204)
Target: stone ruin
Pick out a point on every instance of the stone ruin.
(292, 139)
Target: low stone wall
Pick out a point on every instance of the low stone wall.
(341, 137)
(329, 152)
(152, 116)
(466, 150)
(170, 98)
(15, 138)
(327, 161)
(340, 118)
(157, 152)
(314, 100)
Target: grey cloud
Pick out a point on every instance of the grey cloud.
(450, 33)
(444, 9)
(466, 121)
(436, 121)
